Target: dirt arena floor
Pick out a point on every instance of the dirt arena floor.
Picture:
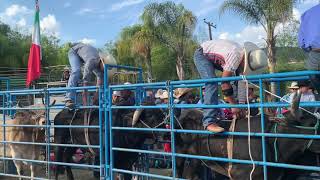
(79, 174)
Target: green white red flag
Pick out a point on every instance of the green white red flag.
(34, 61)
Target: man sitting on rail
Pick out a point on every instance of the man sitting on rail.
(232, 59)
(93, 62)
(309, 41)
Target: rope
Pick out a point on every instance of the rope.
(249, 126)
(275, 144)
(70, 129)
(86, 130)
(317, 115)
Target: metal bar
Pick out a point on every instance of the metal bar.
(106, 124)
(264, 154)
(124, 67)
(51, 162)
(203, 106)
(173, 149)
(53, 126)
(25, 177)
(102, 174)
(143, 174)
(51, 144)
(261, 163)
(298, 136)
(111, 164)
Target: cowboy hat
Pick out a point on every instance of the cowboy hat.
(255, 59)
(107, 58)
(181, 91)
(294, 85)
(303, 83)
(116, 93)
(162, 94)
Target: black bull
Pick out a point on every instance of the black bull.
(216, 145)
(123, 139)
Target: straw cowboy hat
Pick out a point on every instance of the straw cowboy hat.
(294, 85)
(255, 59)
(162, 94)
(180, 92)
(107, 58)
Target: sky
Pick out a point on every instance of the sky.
(100, 21)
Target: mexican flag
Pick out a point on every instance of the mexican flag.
(34, 61)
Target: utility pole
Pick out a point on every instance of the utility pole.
(210, 24)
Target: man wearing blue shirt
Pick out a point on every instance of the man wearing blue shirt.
(309, 40)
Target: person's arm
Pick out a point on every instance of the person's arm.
(227, 89)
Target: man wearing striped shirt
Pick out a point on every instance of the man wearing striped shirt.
(232, 59)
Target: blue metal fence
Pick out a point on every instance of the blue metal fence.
(106, 130)
(171, 85)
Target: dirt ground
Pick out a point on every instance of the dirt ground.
(81, 174)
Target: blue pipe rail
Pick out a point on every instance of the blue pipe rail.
(106, 146)
(277, 77)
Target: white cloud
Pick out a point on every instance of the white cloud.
(15, 16)
(22, 22)
(125, 3)
(206, 6)
(88, 41)
(84, 11)
(255, 34)
(310, 2)
(16, 9)
(67, 4)
(224, 35)
(49, 25)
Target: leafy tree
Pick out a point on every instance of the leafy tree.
(288, 37)
(172, 25)
(268, 14)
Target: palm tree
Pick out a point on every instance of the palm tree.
(142, 43)
(135, 44)
(173, 26)
(267, 13)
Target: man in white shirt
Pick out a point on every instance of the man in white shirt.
(232, 59)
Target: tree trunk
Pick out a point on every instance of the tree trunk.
(149, 66)
(179, 67)
(271, 59)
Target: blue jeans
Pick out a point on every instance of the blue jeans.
(75, 63)
(207, 71)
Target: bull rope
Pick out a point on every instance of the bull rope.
(70, 129)
(230, 146)
(86, 130)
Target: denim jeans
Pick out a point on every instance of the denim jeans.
(313, 63)
(75, 63)
(206, 71)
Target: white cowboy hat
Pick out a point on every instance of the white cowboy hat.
(180, 92)
(294, 85)
(116, 93)
(107, 58)
(255, 59)
(162, 94)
